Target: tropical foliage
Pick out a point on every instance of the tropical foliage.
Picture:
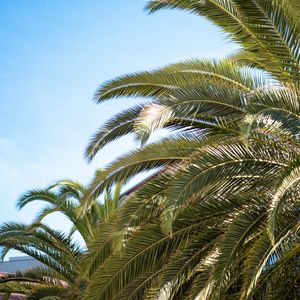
(61, 276)
(219, 217)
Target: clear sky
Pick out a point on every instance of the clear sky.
(53, 55)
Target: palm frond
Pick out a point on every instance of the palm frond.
(262, 253)
(232, 244)
(120, 125)
(290, 181)
(176, 77)
(151, 157)
(260, 26)
(228, 161)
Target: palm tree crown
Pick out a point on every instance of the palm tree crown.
(220, 219)
(62, 276)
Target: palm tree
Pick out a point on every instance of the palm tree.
(65, 196)
(60, 256)
(220, 219)
(61, 277)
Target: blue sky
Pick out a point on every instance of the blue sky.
(53, 56)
